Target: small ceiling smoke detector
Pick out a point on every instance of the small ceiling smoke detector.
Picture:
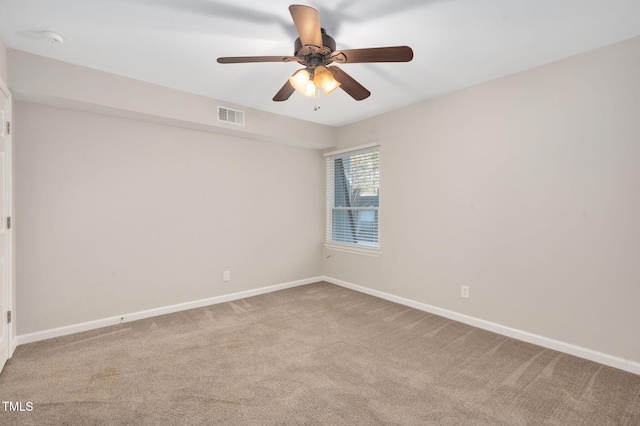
(54, 38)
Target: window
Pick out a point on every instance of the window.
(353, 199)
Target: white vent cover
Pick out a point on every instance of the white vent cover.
(229, 115)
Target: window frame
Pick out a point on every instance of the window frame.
(330, 244)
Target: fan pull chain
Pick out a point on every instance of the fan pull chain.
(317, 107)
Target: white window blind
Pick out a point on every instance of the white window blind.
(353, 198)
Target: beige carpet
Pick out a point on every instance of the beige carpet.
(312, 355)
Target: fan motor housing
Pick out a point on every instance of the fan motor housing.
(328, 46)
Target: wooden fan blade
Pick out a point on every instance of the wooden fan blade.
(284, 93)
(307, 23)
(248, 59)
(373, 54)
(349, 85)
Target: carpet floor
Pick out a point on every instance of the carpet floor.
(317, 354)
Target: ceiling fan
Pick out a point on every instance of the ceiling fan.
(316, 50)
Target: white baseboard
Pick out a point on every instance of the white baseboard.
(105, 322)
(602, 358)
(599, 357)
(13, 346)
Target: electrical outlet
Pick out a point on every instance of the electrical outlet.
(226, 276)
(464, 291)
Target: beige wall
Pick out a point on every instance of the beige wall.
(3, 61)
(51, 82)
(526, 189)
(117, 216)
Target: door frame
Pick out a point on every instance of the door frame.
(8, 212)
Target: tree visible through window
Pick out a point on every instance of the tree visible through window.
(353, 198)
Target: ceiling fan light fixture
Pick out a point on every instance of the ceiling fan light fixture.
(302, 82)
(322, 77)
(331, 86)
(299, 80)
(310, 90)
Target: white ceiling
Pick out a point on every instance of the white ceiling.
(456, 43)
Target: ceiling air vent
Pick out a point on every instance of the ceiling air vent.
(229, 115)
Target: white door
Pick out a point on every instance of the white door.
(5, 182)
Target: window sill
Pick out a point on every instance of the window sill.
(373, 252)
